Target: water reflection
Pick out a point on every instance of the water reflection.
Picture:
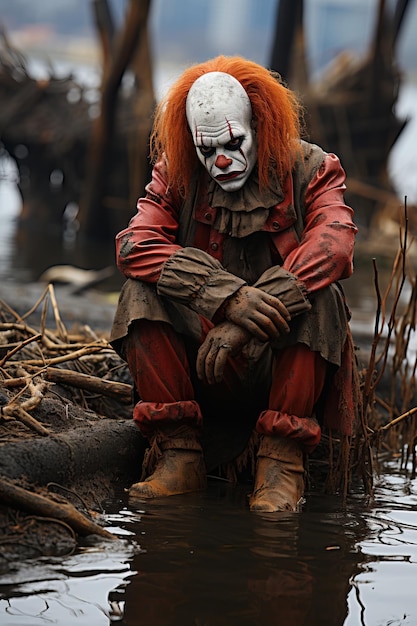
(208, 561)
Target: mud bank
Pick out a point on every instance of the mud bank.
(72, 472)
(112, 447)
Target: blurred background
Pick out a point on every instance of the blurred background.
(79, 80)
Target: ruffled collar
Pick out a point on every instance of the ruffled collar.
(243, 212)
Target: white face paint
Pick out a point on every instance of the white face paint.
(219, 115)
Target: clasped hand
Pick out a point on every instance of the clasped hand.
(262, 315)
(224, 340)
(249, 313)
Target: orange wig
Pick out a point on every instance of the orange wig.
(276, 117)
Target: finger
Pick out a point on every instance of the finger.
(264, 328)
(278, 305)
(256, 330)
(220, 364)
(210, 363)
(279, 322)
(214, 364)
(259, 325)
(201, 359)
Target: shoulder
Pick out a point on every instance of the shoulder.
(312, 155)
(313, 160)
(158, 188)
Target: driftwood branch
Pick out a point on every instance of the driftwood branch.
(18, 347)
(112, 389)
(89, 349)
(14, 410)
(19, 413)
(23, 499)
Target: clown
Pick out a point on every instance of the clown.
(232, 320)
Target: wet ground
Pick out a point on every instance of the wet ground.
(204, 559)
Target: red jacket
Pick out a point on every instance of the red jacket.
(311, 229)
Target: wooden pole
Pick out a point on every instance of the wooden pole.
(105, 29)
(94, 222)
(288, 19)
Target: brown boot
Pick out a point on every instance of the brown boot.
(279, 480)
(179, 467)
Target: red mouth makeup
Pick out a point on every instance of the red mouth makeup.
(223, 177)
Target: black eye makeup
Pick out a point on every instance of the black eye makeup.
(206, 151)
(235, 143)
(232, 145)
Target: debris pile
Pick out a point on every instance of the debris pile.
(65, 401)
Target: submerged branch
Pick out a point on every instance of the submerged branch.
(40, 505)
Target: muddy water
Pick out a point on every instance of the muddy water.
(204, 559)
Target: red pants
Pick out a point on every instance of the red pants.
(160, 366)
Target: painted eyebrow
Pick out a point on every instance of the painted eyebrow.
(200, 129)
